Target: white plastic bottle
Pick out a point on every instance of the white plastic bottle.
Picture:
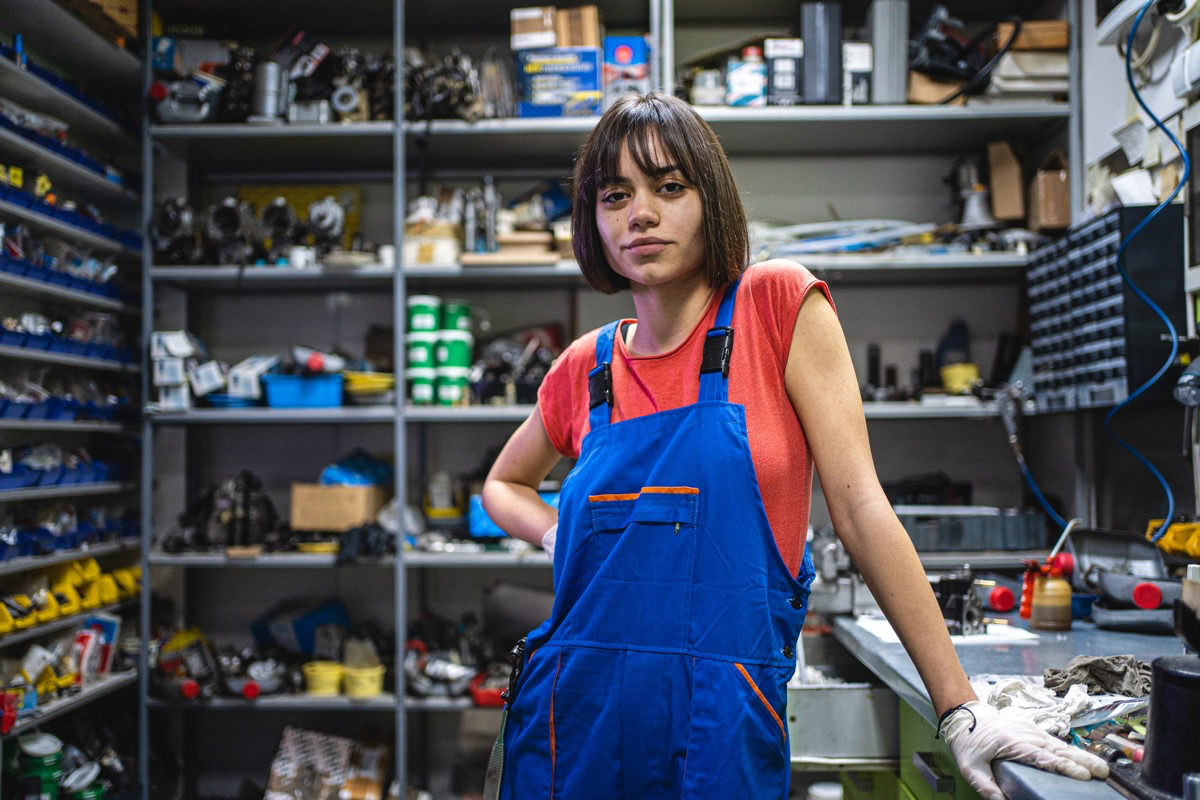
(746, 80)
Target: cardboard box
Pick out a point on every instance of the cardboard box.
(533, 28)
(244, 377)
(1006, 185)
(317, 507)
(206, 378)
(1036, 34)
(1050, 195)
(560, 82)
(925, 90)
(785, 71)
(626, 66)
(170, 372)
(577, 27)
(174, 398)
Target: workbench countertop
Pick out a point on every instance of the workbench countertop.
(891, 664)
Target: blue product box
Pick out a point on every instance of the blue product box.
(480, 525)
(301, 627)
(626, 66)
(558, 82)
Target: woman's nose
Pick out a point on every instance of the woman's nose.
(642, 212)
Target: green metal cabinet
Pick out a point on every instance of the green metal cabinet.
(870, 786)
(927, 769)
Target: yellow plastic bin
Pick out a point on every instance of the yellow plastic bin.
(364, 682)
(322, 678)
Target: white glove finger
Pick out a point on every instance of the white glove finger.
(1044, 758)
(1096, 766)
(981, 779)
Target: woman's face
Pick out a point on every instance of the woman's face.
(651, 225)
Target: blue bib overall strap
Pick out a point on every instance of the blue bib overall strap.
(600, 391)
(718, 350)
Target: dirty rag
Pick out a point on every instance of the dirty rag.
(1016, 698)
(1123, 675)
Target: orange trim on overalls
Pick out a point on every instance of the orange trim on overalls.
(754, 686)
(609, 498)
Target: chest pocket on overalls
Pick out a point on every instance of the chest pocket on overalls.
(642, 553)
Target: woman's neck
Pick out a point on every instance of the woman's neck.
(667, 315)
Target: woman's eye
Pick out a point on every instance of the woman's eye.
(612, 197)
(673, 187)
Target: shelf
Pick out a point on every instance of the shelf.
(264, 561)
(442, 704)
(56, 708)
(50, 357)
(62, 426)
(883, 268)
(63, 556)
(18, 284)
(767, 131)
(566, 273)
(77, 48)
(897, 410)
(67, 490)
(61, 624)
(41, 222)
(307, 147)
(531, 558)
(67, 174)
(22, 86)
(283, 702)
(267, 416)
(273, 279)
(467, 414)
(788, 13)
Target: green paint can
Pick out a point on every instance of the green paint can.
(423, 313)
(452, 385)
(454, 349)
(456, 315)
(421, 350)
(94, 792)
(422, 383)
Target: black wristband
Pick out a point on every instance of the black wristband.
(950, 711)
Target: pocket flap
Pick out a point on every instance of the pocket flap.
(664, 504)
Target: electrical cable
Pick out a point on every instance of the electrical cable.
(980, 78)
(1174, 337)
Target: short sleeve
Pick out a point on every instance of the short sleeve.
(777, 289)
(562, 397)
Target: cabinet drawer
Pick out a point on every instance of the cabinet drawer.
(870, 786)
(933, 775)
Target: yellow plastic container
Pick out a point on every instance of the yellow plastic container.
(50, 608)
(322, 678)
(29, 620)
(364, 682)
(6, 621)
(109, 593)
(70, 603)
(126, 582)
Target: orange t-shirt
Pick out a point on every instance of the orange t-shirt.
(764, 317)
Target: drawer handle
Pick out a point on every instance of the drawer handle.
(938, 782)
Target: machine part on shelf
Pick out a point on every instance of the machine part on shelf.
(969, 189)
(365, 542)
(317, 112)
(231, 231)
(961, 607)
(272, 87)
(282, 228)
(185, 101)
(381, 86)
(349, 102)
(234, 512)
(173, 230)
(491, 202)
(448, 89)
(238, 74)
(327, 221)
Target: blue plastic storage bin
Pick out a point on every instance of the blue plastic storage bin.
(300, 391)
(12, 338)
(35, 341)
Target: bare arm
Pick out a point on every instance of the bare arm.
(510, 492)
(824, 391)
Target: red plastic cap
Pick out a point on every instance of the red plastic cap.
(158, 91)
(1065, 562)
(315, 362)
(251, 690)
(189, 689)
(1147, 595)
(1001, 599)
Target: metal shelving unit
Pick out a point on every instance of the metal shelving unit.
(263, 561)
(372, 277)
(67, 490)
(62, 426)
(40, 222)
(375, 415)
(65, 705)
(18, 284)
(32, 92)
(63, 556)
(286, 702)
(63, 359)
(68, 174)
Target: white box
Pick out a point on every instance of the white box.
(206, 377)
(174, 398)
(179, 344)
(244, 376)
(170, 372)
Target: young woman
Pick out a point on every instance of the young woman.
(681, 577)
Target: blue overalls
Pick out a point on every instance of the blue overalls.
(662, 670)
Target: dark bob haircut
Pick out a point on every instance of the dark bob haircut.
(644, 122)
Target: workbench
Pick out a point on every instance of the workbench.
(891, 664)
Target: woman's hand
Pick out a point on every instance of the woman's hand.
(978, 734)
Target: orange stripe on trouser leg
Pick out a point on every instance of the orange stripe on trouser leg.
(553, 753)
(754, 686)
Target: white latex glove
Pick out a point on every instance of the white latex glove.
(548, 541)
(977, 741)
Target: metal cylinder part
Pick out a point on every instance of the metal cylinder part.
(268, 100)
